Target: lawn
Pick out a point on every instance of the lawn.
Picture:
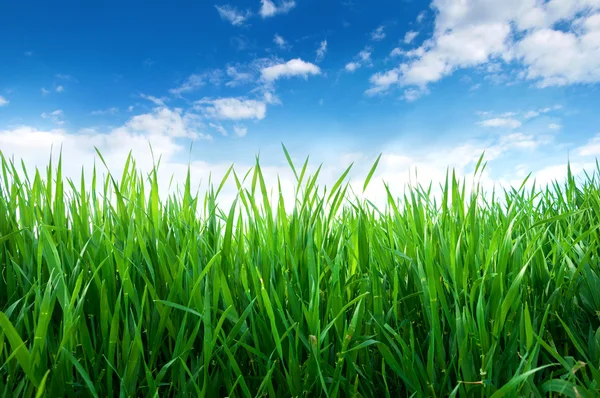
(108, 289)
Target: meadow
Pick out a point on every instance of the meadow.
(109, 289)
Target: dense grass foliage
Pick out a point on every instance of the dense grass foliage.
(108, 290)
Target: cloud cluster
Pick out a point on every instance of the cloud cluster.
(525, 32)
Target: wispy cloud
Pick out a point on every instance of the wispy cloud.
(500, 122)
(3, 101)
(102, 112)
(233, 108)
(28, 53)
(240, 131)
(270, 9)
(153, 99)
(535, 113)
(322, 51)
(64, 76)
(191, 83)
(233, 15)
(59, 89)
(378, 34)
(410, 36)
(44, 91)
(219, 127)
(363, 58)
(280, 41)
(55, 116)
(237, 77)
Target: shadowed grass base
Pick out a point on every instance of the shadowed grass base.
(113, 291)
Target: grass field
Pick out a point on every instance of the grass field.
(107, 289)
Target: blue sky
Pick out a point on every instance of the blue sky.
(429, 84)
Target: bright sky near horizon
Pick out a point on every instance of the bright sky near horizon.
(429, 84)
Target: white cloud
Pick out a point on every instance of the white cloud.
(396, 52)
(361, 59)
(280, 41)
(130, 108)
(64, 76)
(233, 108)
(162, 128)
(55, 116)
(294, 67)
(240, 131)
(352, 66)
(59, 89)
(535, 113)
(412, 94)
(237, 77)
(163, 121)
(554, 126)
(153, 99)
(410, 36)
(378, 34)
(44, 91)
(193, 82)
(500, 122)
(219, 127)
(558, 58)
(102, 112)
(3, 101)
(522, 141)
(381, 81)
(481, 32)
(591, 148)
(421, 16)
(233, 15)
(321, 51)
(270, 9)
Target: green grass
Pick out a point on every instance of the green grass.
(107, 289)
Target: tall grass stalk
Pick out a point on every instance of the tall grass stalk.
(107, 289)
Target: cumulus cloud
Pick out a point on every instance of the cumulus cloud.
(232, 108)
(269, 8)
(294, 67)
(3, 101)
(525, 32)
(233, 15)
